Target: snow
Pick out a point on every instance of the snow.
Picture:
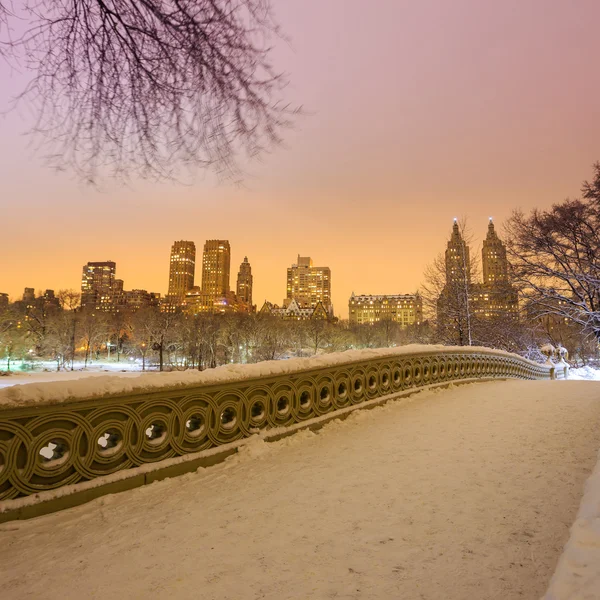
(588, 373)
(461, 493)
(578, 571)
(45, 371)
(55, 392)
(23, 378)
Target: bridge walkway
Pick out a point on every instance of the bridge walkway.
(460, 493)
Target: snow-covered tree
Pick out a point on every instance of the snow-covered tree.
(555, 255)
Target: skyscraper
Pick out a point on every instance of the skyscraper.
(244, 283)
(493, 255)
(98, 285)
(308, 285)
(464, 304)
(458, 266)
(181, 270)
(216, 261)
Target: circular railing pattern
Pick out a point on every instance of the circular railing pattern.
(79, 441)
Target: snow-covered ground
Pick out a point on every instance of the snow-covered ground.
(461, 493)
(37, 377)
(46, 371)
(585, 373)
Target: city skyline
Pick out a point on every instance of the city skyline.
(341, 311)
(449, 126)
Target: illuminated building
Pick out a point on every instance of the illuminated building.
(292, 311)
(457, 258)
(197, 302)
(309, 285)
(43, 303)
(494, 298)
(99, 287)
(133, 300)
(405, 309)
(215, 297)
(244, 284)
(182, 267)
(29, 295)
(216, 260)
(494, 261)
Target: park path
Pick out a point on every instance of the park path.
(457, 494)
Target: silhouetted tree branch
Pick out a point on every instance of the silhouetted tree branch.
(149, 86)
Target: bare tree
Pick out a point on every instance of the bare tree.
(273, 338)
(93, 329)
(316, 331)
(364, 334)
(119, 330)
(68, 299)
(387, 331)
(340, 336)
(13, 341)
(140, 341)
(59, 343)
(148, 86)
(555, 256)
(37, 320)
(156, 330)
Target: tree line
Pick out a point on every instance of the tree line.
(166, 341)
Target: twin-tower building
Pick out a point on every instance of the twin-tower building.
(214, 293)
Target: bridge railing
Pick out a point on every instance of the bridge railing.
(46, 446)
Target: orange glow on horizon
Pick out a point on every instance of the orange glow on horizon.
(446, 109)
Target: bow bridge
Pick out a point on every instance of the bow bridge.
(61, 451)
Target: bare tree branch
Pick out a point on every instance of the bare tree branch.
(147, 87)
(556, 258)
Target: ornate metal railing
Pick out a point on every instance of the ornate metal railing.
(44, 447)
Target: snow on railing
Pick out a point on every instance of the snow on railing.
(47, 441)
(559, 368)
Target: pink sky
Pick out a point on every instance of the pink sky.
(419, 112)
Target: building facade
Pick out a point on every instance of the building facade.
(215, 296)
(99, 286)
(495, 297)
(197, 302)
(463, 300)
(457, 258)
(29, 295)
(182, 266)
(29, 302)
(405, 309)
(3, 301)
(244, 283)
(292, 311)
(133, 300)
(216, 261)
(493, 258)
(309, 285)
